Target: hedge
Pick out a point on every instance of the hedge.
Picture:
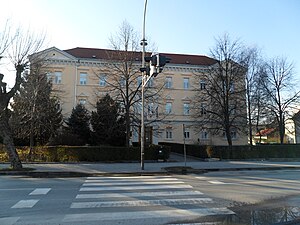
(89, 153)
(238, 152)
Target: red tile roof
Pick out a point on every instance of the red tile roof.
(94, 53)
(265, 132)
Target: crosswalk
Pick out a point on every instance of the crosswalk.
(113, 200)
(150, 199)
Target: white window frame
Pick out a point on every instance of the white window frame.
(204, 134)
(139, 81)
(187, 133)
(169, 82)
(186, 83)
(203, 107)
(58, 77)
(186, 108)
(169, 133)
(151, 108)
(150, 83)
(83, 78)
(202, 84)
(122, 81)
(168, 108)
(233, 133)
(82, 101)
(49, 77)
(102, 80)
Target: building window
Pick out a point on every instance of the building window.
(233, 134)
(232, 109)
(169, 134)
(122, 81)
(150, 82)
(58, 76)
(82, 101)
(231, 87)
(204, 135)
(58, 106)
(138, 107)
(186, 109)
(122, 108)
(49, 77)
(186, 133)
(168, 83)
(202, 84)
(139, 81)
(152, 109)
(186, 83)
(102, 81)
(168, 107)
(203, 109)
(83, 78)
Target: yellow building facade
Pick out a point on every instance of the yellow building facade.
(77, 78)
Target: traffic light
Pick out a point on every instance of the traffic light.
(157, 63)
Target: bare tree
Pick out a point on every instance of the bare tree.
(254, 96)
(220, 100)
(280, 86)
(260, 114)
(122, 75)
(18, 47)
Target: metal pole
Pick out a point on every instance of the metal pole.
(143, 43)
(184, 147)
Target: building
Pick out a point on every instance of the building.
(81, 76)
(296, 120)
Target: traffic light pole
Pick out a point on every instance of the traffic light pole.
(143, 43)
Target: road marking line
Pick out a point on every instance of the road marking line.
(128, 178)
(9, 220)
(204, 223)
(138, 194)
(201, 178)
(173, 213)
(140, 203)
(139, 187)
(25, 204)
(133, 183)
(40, 191)
(215, 182)
(132, 180)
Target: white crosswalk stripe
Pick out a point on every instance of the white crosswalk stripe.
(25, 204)
(40, 191)
(140, 197)
(140, 187)
(138, 194)
(139, 203)
(150, 214)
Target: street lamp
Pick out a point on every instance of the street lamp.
(156, 65)
(143, 43)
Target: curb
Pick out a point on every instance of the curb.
(165, 171)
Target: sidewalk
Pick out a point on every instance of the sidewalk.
(192, 166)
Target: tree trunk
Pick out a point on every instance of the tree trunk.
(127, 130)
(6, 134)
(250, 119)
(30, 155)
(281, 130)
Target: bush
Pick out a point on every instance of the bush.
(239, 152)
(89, 153)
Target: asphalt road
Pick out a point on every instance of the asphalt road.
(186, 199)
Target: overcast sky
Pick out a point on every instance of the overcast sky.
(176, 26)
